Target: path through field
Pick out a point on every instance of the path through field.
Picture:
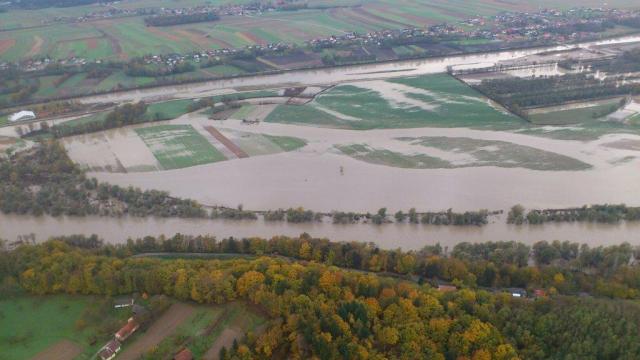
(161, 328)
(62, 350)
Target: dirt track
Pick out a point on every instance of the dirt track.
(62, 350)
(226, 142)
(161, 328)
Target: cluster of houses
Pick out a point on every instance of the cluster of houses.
(507, 26)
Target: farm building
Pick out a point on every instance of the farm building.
(517, 292)
(127, 330)
(110, 350)
(22, 115)
(446, 288)
(184, 354)
(123, 302)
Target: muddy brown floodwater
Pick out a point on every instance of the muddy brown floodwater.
(389, 236)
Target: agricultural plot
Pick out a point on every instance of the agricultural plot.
(161, 328)
(179, 146)
(425, 101)
(204, 328)
(25, 335)
(572, 115)
(452, 152)
(121, 38)
(255, 144)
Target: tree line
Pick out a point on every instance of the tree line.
(607, 213)
(178, 19)
(320, 311)
(556, 267)
(45, 181)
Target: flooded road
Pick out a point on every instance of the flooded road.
(389, 236)
(338, 74)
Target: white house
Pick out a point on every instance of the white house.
(22, 115)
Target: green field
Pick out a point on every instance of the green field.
(168, 110)
(425, 101)
(572, 116)
(287, 143)
(468, 152)
(33, 324)
(178, 146)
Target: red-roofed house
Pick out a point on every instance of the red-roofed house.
(110, 350)
(184, 354)
(127, 330)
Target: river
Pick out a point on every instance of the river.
(335, 75)
(388, 236)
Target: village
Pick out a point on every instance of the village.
(504, 31)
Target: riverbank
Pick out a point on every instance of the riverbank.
(386, 236)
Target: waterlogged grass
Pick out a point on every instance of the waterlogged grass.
(391, 158)
(178, 146)
(287, 143)
(243, 112)
(425, 101)
(571, 116)
(465, 152)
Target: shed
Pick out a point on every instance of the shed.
(123, 302)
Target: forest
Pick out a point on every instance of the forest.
(554, 267)
(322, 311)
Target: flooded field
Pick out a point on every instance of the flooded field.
(320, 177)
(389, 236)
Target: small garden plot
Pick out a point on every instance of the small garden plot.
(451, 153)
(425, 101)
(179, 146)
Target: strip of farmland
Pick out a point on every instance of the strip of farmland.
(226, 142)
(161, 328)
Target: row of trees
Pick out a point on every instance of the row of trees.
(320, 311)
(560, 267)
(122, 115)
(595, 214)
(178, 19)
(518, 93)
